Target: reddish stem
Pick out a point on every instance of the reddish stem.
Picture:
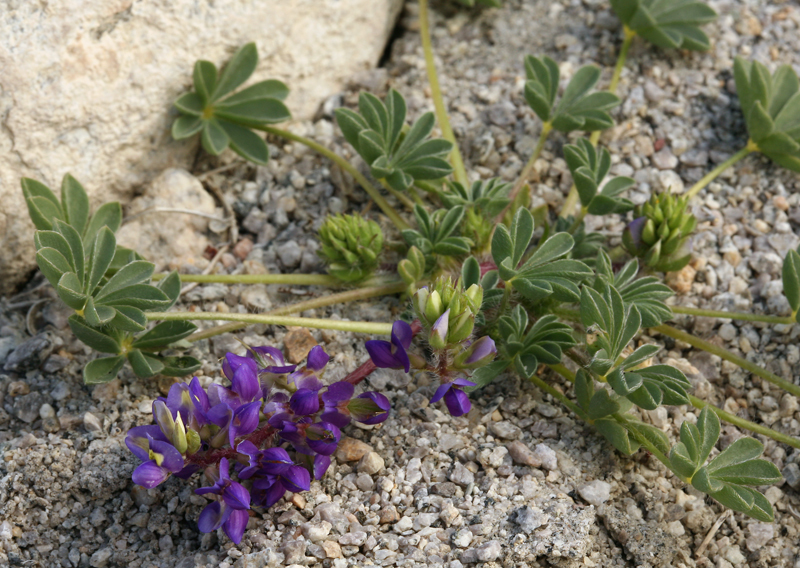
(205, 459)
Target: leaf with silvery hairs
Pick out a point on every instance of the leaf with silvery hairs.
(225, 119)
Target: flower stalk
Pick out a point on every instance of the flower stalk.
(313, 323)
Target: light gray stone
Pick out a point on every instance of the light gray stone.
(595, 492)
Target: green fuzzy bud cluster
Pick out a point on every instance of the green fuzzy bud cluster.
(660, 233)
(351, 246)
(461, 306)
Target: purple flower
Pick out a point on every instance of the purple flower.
(392, 355)
(323, 437)
(335, 400)
(456, 399)
(268, 490)
(272, 461)
(309, 376)
(370, 408)
(270, 360)
(478, 354)
(190, 401)
(304, 402)
(234, 423)
(163, 461)
(230, 511)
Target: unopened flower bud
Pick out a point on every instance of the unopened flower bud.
(350, 245)
(438, 336)
(480, 353)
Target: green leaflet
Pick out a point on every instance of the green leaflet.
(771, 107)
(589, 167)
(437, 234)
(224, 119)
(578, 109)
(395, 154)
(667, 23)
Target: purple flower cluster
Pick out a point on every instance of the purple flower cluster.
(452, 366)
(270, 407)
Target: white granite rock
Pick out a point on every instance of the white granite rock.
(87, 87)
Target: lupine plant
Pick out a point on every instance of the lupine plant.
(489, 296)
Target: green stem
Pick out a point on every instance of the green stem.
(313, 323)
(459, 171)
(728, 356)
(526, 171)
(561, 397)
(329, 300)
(578, 220)
(741, 316)
(710, 176)
(288, 279)
(572, 197)
(428, 187)
(746, 424)
(401, 197)
(346, 166)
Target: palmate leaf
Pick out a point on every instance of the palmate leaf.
(589, 167)
(771, 108)
(224, 119)
(376, 132)
(578, 109)
(646, 293)
(730, 477)
(667, 23)
(487, 197)
(437, 234)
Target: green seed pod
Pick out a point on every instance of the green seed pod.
(350, 246)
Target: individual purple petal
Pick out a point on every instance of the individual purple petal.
(212, 517)
(166, 456)
(297, 479)
(304, 402)
(236, 496)
(335, 417)
(483, 350)
(232, 361)
(440, 392)
(245, 382)
(245, 421)
(149, 474)
(220, 415)
(273, 493)
(457, 402)
(236, 524)
(321, 464)
(402, 334)
(138, 440)
(323, 438)
(370, 408)
(338, 392)
(275, 461)
(217, 394)
(317, 358)
(380, 352)
(463, 382)
(401, 356)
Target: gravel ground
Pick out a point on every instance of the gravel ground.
(517, 482)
